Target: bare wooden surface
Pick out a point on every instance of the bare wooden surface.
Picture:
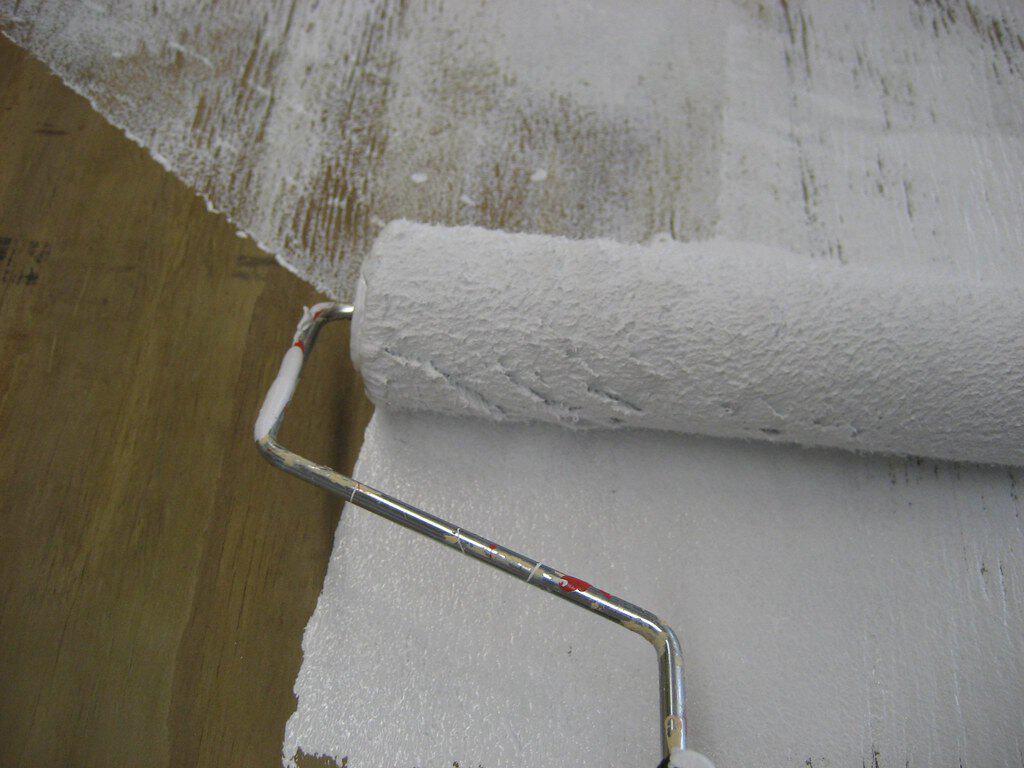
(155, 573)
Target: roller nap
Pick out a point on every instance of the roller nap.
(718, 338)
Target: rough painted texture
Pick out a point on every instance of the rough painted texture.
(832, 608)
(718, 338)
(889, 132)
(855, 132)
(312, 123)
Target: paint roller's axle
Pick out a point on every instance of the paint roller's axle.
(577, 591)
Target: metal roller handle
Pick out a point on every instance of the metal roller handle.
(576, 591)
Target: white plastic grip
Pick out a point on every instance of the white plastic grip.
(280, 392)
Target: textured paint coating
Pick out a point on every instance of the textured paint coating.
(886, 132)
(830, 606)
(719, 338)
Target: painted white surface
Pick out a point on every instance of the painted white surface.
(834, 609)
(830, 606)
(718, 338)
(310, 123)
(888, 132)
(892, 131)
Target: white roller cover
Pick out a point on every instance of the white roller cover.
(717, 338)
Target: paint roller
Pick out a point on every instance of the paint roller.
(734, 340)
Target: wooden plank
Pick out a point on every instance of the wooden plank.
(155, 573)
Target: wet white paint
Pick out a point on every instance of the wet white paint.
(830, 606)
(834, 609)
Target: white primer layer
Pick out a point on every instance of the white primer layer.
(834, 609)
(830, 606)
(888, 132)
(309, 123)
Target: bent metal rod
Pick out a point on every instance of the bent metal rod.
(551, 580)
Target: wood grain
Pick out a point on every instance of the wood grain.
(312, 124)
(155, 573)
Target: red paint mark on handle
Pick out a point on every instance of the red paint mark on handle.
(300, 345)
(572, 584)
